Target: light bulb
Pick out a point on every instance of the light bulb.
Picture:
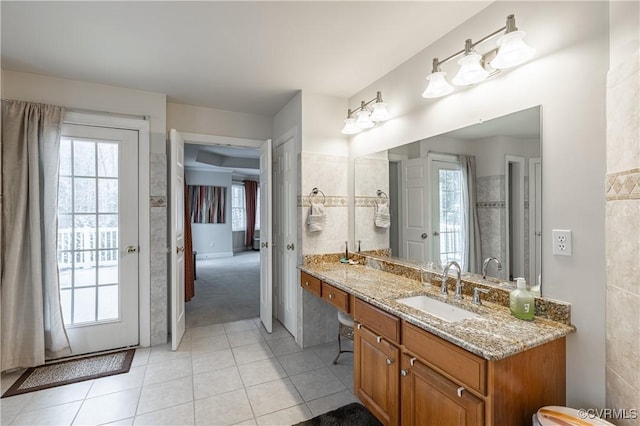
(380, 112)
(470, 71)
(512, 50)
(364, 120)
(437, 85)
(350, 127)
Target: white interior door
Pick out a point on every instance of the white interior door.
(414, 245)
(98, 237)
(176, 179)
(266, 248)
(285, 236)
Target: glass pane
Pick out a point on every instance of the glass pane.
(85, 232)
(108, 302)
(65, 301)
(108, 233)
(84, 195)
(84, 305)
(108, 267)
(107, 159)
(107, 195)
(84, 158)
(65, 157)
(84, 273)
(65, 195)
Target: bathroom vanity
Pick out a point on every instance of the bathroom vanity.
(414, 368)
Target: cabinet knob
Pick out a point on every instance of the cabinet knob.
(306, 283)
(404, 373)
(359, 326)
(389, 361)
(379, 339)
(330, 295)
(412, 361)
(460, 390)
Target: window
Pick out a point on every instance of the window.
(238, 213)
(239, 208)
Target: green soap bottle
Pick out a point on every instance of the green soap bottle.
(521, 301)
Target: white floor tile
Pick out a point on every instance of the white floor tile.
(317, 383)
(273, 396)
(261, 371)
(133, 379)
(11, 406)
(242, 338)
(224, 409)
(141, 357)
(331, 402)
(179, 415)
(284, 346)
(210, 361)
(9, 378)
(59, 395)
(288, 416)
(209, 344)
(166, 394)
(252, 353)
(300, 362)
(216, 382)
(108, 408)
(56, 415)
(168, 370)
(164, 353)
(123, 422)
(207, 331)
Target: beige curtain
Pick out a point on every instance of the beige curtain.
(32, 323)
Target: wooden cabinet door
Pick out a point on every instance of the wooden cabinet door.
(376, 375)
(430, 399)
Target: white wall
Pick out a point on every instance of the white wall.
(80, 94)
(209, 121)
(567, 77)
(212, 239)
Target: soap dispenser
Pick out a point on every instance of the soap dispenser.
(521, 301)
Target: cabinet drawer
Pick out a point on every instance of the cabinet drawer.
(310, 283)
(335, 296)
(377, 320)
(469, 369)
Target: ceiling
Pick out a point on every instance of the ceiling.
(249, 57)
(236, 160)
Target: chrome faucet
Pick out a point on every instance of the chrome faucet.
(485, 265)
(443, 288)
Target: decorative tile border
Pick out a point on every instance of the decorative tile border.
(491, 204)
(623, 185)
(158, 201)
(361, 201)
(329, 200)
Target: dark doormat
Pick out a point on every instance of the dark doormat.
(354, 414)
(72, 371)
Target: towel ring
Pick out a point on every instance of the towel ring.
(314, 192)
(381, 193)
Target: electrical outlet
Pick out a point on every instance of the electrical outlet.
(562, 245)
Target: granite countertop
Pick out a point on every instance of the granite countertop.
(494, 335)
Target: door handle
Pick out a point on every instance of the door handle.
(132, 249)
(290, 246)
(436, 233)
(424, 236)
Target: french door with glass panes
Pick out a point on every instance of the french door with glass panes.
(98, 237)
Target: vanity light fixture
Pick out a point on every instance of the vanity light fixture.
(366, 118)
(511, 51)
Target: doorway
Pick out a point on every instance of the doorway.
(227, 267)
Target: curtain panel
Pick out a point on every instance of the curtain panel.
(472, 255)
(32, 323)
(189, 262)
(251, 197)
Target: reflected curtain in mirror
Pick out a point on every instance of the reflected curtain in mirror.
(207, 203)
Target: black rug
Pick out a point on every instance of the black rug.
(354, 414)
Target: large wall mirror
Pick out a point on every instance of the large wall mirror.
(467, 195)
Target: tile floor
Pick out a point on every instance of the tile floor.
(222, 374)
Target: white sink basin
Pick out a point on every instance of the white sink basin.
(439, 309)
